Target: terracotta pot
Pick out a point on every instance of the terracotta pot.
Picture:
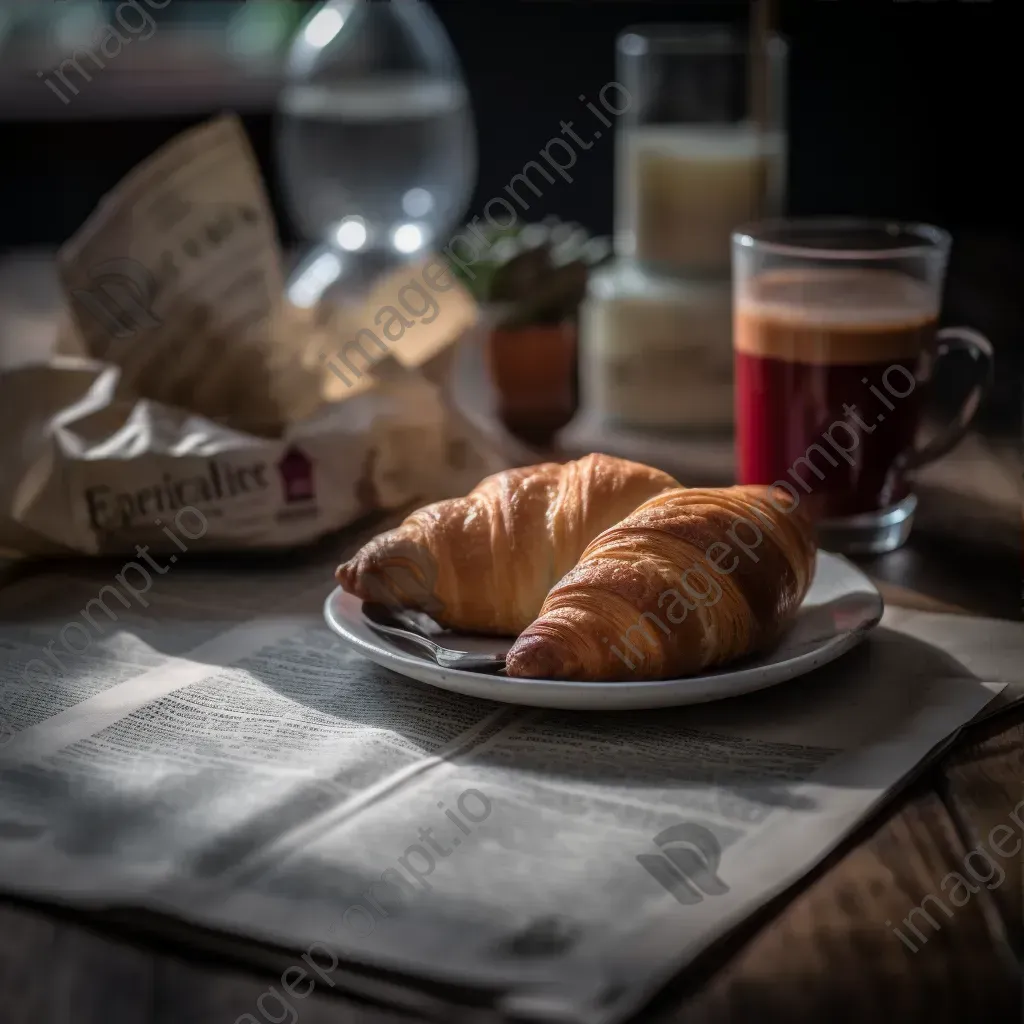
(534, 373)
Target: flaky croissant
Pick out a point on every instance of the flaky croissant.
(484, 563)
(692, 579)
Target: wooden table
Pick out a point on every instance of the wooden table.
(820, 952)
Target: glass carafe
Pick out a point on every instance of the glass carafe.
(376, 141)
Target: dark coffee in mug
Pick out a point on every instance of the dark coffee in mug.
(827, 399)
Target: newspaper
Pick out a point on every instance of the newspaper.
(187, 394)
(220, 757)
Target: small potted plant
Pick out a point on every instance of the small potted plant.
(530, 283)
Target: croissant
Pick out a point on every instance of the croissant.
(484, 563)
(692, 579)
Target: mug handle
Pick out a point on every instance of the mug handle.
(947, 340)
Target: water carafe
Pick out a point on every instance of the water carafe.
(376, 142)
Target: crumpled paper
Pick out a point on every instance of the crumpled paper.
(189, 404)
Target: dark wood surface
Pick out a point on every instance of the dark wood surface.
(829, 953)
(821, 952)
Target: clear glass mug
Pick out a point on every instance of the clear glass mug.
(835, 340)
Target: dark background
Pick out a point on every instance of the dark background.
(905, 108)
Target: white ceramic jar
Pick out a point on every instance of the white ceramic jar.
(656, 352)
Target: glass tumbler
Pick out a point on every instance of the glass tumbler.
(702, 146)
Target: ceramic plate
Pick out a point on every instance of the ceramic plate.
(840, 608)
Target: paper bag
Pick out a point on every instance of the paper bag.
(204, 410)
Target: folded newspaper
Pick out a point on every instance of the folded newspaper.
(189, 397)
(204, 749)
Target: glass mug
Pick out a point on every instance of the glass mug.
(835, 341)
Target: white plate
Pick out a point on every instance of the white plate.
(840, 608)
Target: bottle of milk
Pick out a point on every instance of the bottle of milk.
(700, 150)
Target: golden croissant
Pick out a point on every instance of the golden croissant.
(484, 563)
(692, 579)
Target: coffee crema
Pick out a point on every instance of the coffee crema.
(826, 397)
(833, 316)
